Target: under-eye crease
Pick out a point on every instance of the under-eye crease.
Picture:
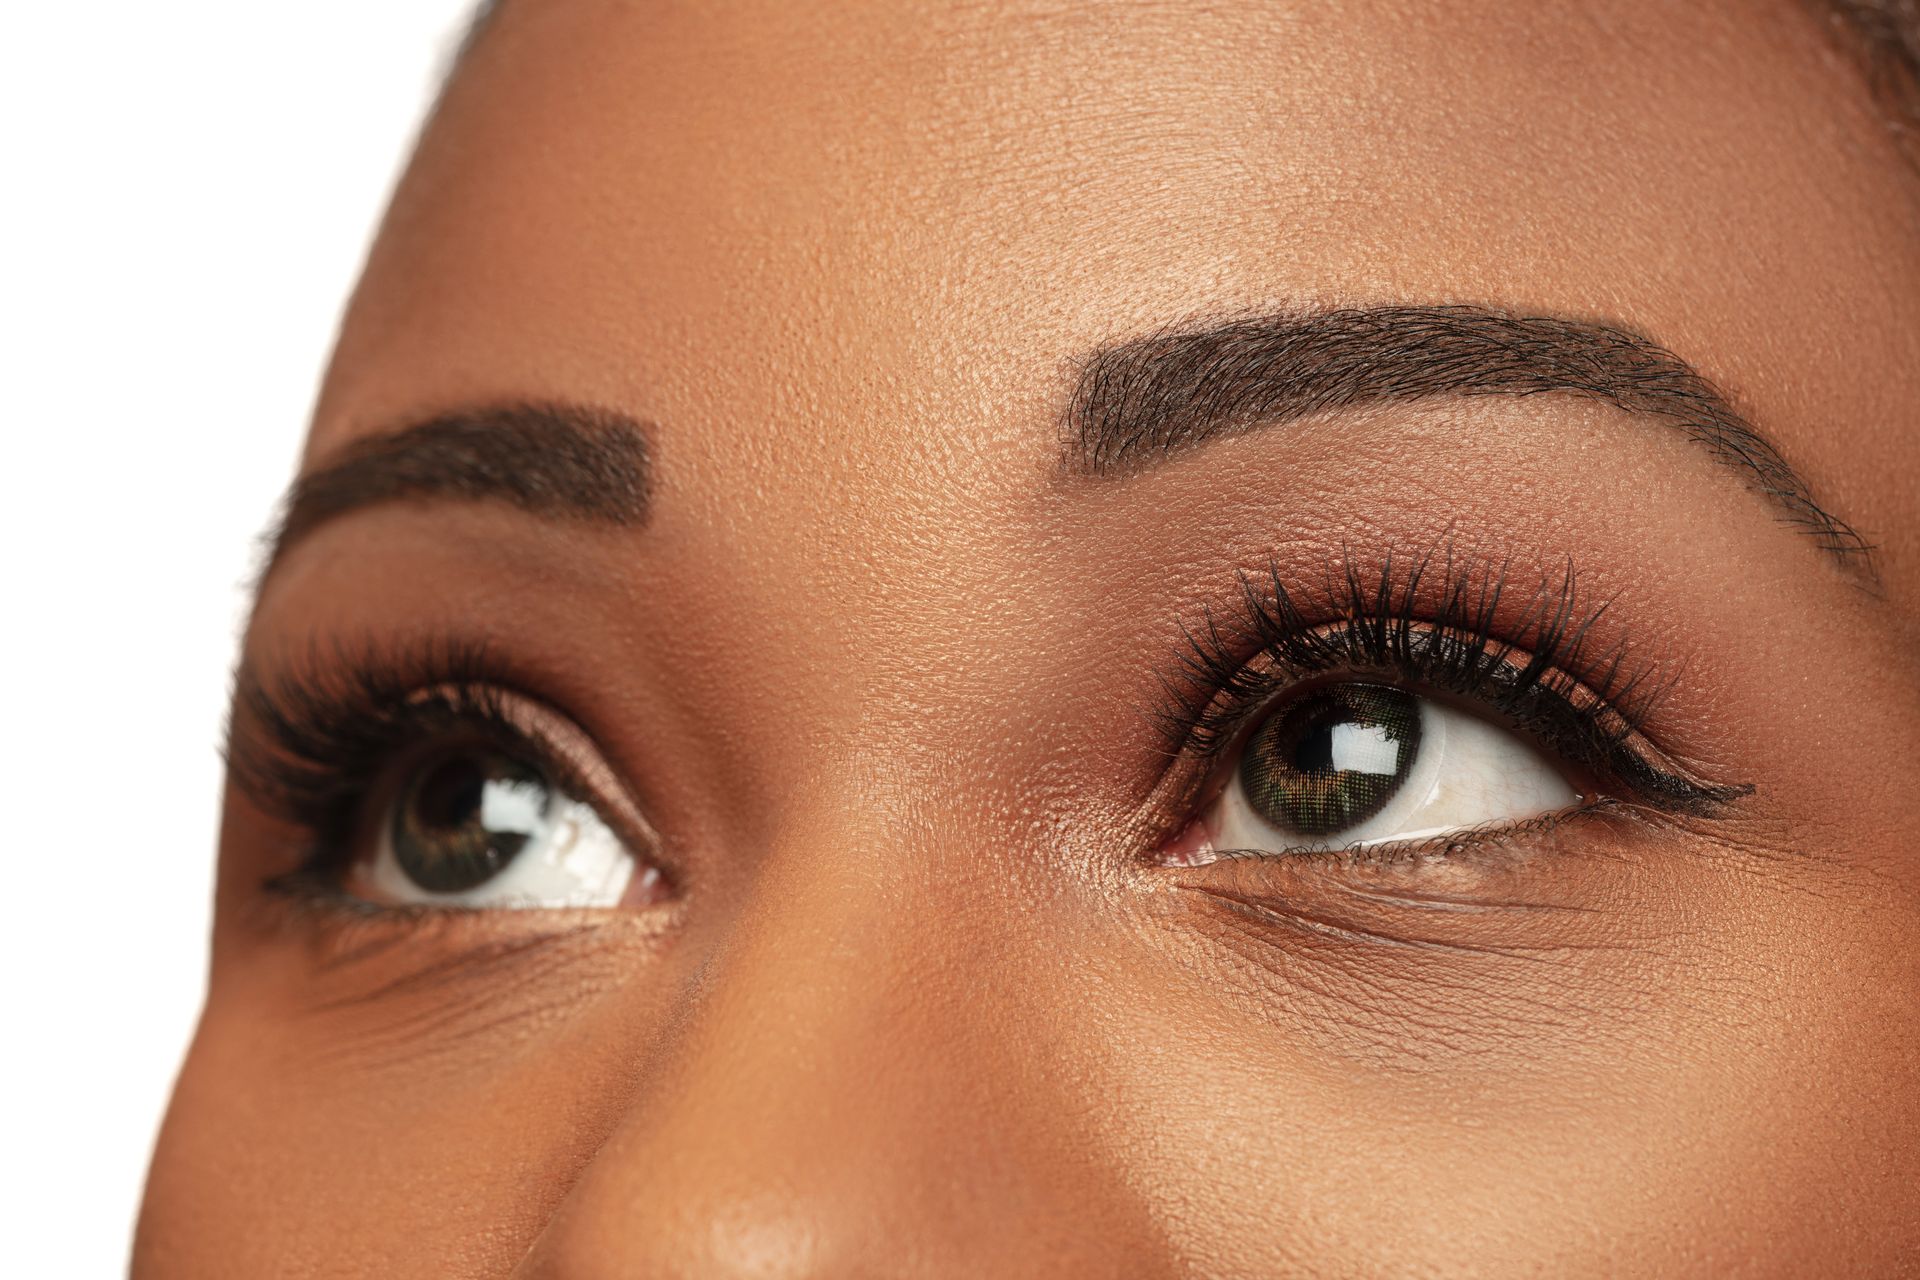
(1438, 628)
(421, 771)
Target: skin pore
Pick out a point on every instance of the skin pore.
(863, 442)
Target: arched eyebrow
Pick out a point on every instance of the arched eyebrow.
(552, 459)
(1141, 400)
(1135, 402)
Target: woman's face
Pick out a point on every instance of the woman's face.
(1091, 640)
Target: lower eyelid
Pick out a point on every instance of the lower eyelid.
(1493, 839)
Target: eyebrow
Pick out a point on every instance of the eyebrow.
(1142, 400)
(1136, 402)
(552, 459)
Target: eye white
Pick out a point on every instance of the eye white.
(1466, 773)
(572, 858)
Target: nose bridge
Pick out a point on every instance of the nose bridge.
(852, 1090)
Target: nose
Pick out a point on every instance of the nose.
(863, 1086)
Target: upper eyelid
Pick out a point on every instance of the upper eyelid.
(1377, 608)
(582, 770)
(1218, 728)
(303, 746)
(1375, 614)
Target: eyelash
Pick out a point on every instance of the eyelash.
(311, 749)
(1537, 669)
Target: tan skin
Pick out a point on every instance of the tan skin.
(921, 992)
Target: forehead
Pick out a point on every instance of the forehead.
(806, 232)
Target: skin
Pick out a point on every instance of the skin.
(878, 673)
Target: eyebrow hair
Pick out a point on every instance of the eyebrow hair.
(562, 461)
(1140, 400)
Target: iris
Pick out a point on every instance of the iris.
(1331, 757)
(466, 816)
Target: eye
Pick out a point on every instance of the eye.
(1347, 764)
(474, 826)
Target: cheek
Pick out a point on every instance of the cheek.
(251, 1174)
(1612, 1037)
(438, 1095)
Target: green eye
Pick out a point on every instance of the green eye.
(1331, 758)
(466, 816)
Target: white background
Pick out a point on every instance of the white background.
(186, 192)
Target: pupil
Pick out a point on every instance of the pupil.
(465, 818)
(449, 796)
(1332, 758)
(1314, 752)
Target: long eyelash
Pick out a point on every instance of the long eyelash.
(1535, 664)
(308, 748)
